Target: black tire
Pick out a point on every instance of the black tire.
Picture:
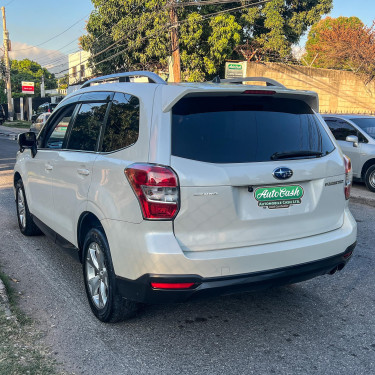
(25, 219)
(98, 273)
(370, 178)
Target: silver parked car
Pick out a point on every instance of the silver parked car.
(356, 137)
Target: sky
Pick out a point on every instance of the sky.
(33, 22)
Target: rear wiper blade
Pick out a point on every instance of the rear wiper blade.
(292, 154)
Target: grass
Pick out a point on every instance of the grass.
(20, 348)
(18, 124)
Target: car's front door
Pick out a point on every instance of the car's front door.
(40, 169)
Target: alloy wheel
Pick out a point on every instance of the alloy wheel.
(21, 208)
(97, 275)
(372, 179)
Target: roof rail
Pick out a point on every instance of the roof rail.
(124, 77)
(269, 81)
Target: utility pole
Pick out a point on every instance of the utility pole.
(175, 44)
(7, 66)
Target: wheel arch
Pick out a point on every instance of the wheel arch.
(16, 178)
(86, 221)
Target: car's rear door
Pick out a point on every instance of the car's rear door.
(253, 170)
(73, 164)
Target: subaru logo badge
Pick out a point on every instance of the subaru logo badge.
(282, 173)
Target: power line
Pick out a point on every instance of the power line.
(168, 26)
(200, 3)
(98, 38)
(54, 37)
(203, 18)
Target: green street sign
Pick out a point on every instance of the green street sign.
(279, 196)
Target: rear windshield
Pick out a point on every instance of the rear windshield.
(366, 124)
(245, 129)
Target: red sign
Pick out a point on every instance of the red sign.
(27, 87)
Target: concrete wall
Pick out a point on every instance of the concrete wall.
(339, 92)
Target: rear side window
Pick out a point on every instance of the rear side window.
(122, 128)
(85, 130)
(244, 129)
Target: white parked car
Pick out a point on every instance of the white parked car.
(170, 192)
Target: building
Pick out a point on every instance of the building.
(78, 67)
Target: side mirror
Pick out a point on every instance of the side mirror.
(28, 140)
(353, 139)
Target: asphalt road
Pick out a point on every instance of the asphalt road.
(322, 326)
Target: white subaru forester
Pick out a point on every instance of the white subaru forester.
(167, 192)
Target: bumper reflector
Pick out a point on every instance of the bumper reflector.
(348, 255)
(171, 285)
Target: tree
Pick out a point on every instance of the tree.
(317, 40)
(63, 82)
(3, 95)
(27, 70)
(342, 43)
(134, 34)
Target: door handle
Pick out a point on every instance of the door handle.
(83, 171)
(48, 167)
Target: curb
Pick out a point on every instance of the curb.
(4, 301)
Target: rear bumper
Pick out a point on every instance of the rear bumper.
(140, 290)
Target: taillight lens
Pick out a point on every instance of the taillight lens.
(156, 188)
(348, 176)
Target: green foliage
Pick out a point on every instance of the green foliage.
(3, 95)
(141, 30)
(63, 82)
(27, 70)
(315, 45)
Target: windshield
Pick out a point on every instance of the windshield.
(243, 129)
(366, 124)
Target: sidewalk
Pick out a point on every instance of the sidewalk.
(361, 194)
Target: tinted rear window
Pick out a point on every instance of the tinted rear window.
(244, 129)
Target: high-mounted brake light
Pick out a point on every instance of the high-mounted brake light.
(259, 92)
(348, 177)
(156, 188)
(171, 285)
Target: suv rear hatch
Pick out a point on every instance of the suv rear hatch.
(226, 151)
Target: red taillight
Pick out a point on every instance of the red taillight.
(259, 92)
(156, 188)
(348, 177)
(172, 285)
